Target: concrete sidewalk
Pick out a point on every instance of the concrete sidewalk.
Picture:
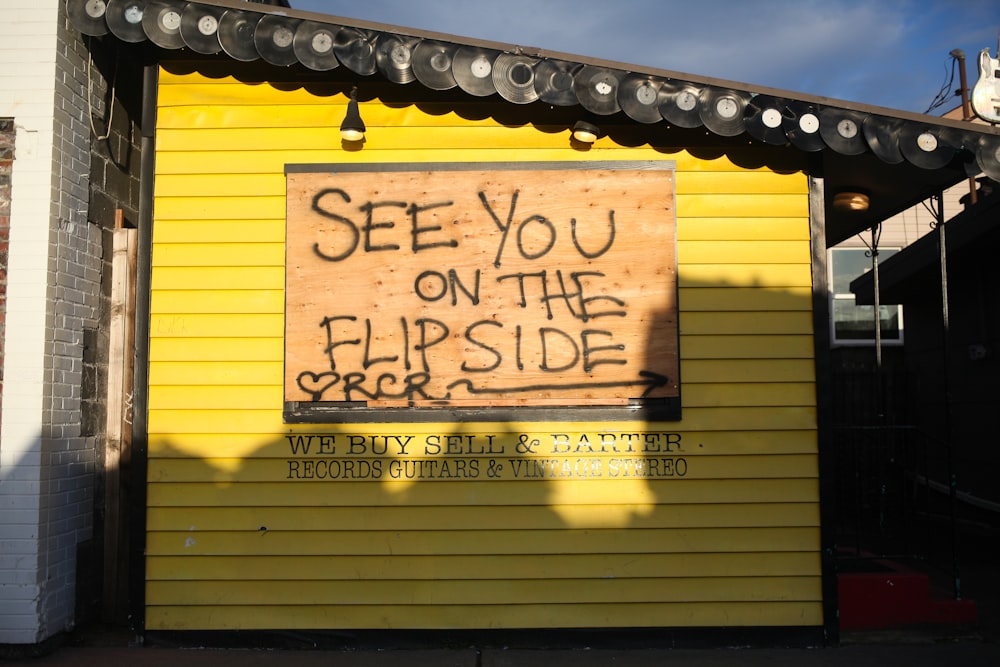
(881, 649)
(956, 654)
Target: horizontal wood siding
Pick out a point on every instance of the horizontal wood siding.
(716, 523)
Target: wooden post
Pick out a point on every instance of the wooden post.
(119, 407)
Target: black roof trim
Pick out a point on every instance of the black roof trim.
(601, 87)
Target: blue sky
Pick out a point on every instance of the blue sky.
(890, 53)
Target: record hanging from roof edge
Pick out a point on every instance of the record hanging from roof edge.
(313, 45)
(763, 117)
(88, 16)
(472, 68)
(162, 23)
(841, 130)
(721, 110)
(514, 78)
(597, 89)
(124, 18)
(882, 135)
(432, 64)
(801, 124)
(924, 147)
(200, 28)
(355, 49)
(639, 96)
(394, 57)
(679, 105)
(236, 29)
(273, 38)
(988, 157)
(554, 82)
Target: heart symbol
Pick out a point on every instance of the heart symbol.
(316, 384)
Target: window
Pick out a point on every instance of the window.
(493, 291)
(853, 324)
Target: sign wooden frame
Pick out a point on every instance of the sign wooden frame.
(481, 291)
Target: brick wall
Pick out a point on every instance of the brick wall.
(64, 188)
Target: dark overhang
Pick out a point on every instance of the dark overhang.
(896, 157)
(902, 276)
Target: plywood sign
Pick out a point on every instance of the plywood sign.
(475, 285)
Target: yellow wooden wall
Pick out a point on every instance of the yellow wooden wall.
(233, 544)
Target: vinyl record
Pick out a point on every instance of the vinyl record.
(162, 23)
(393, 57)
(355, 49)
(124, 18)
(200, 28)
(236, 29)
(801, 125)
(472, 68)
(679, 105)
(273, 38)
(764, 119)
(554, 82)
(514, 78)
(597, 89)
(639, 96)
(925, 147)
(841, 130)
(721, 110)
(432, 64)
(313, 45)
(88, 16)
(882, 135)
(988, 157)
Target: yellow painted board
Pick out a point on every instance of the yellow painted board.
(247, 397)
(445, 566)
(243, 301)
(750, 394)
(220, 208)
(242, 185)
(747, 347)
(714, 206)
(255, 421)
(315, 112)
(216, 254)
(217, 231)
(723, 322)
(218, 421)
(377, 138)
(318, 494)
(617, 591)
(482, 542)
(748, 275)
(178, 521)
(733, 299)
(742, 228)
(256, 162)
(277, 445)
(742, 183)
(218, 278)
(748, 370)
(266, 398)
(600, 469)
(216, 349)
(744, 252)
(680, 614)
(215, 373)
(184, 325)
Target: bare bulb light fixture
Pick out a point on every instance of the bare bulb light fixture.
(353, 128)
(851, 201)
(585, 133)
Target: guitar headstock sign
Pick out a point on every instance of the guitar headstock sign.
(480, 285)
